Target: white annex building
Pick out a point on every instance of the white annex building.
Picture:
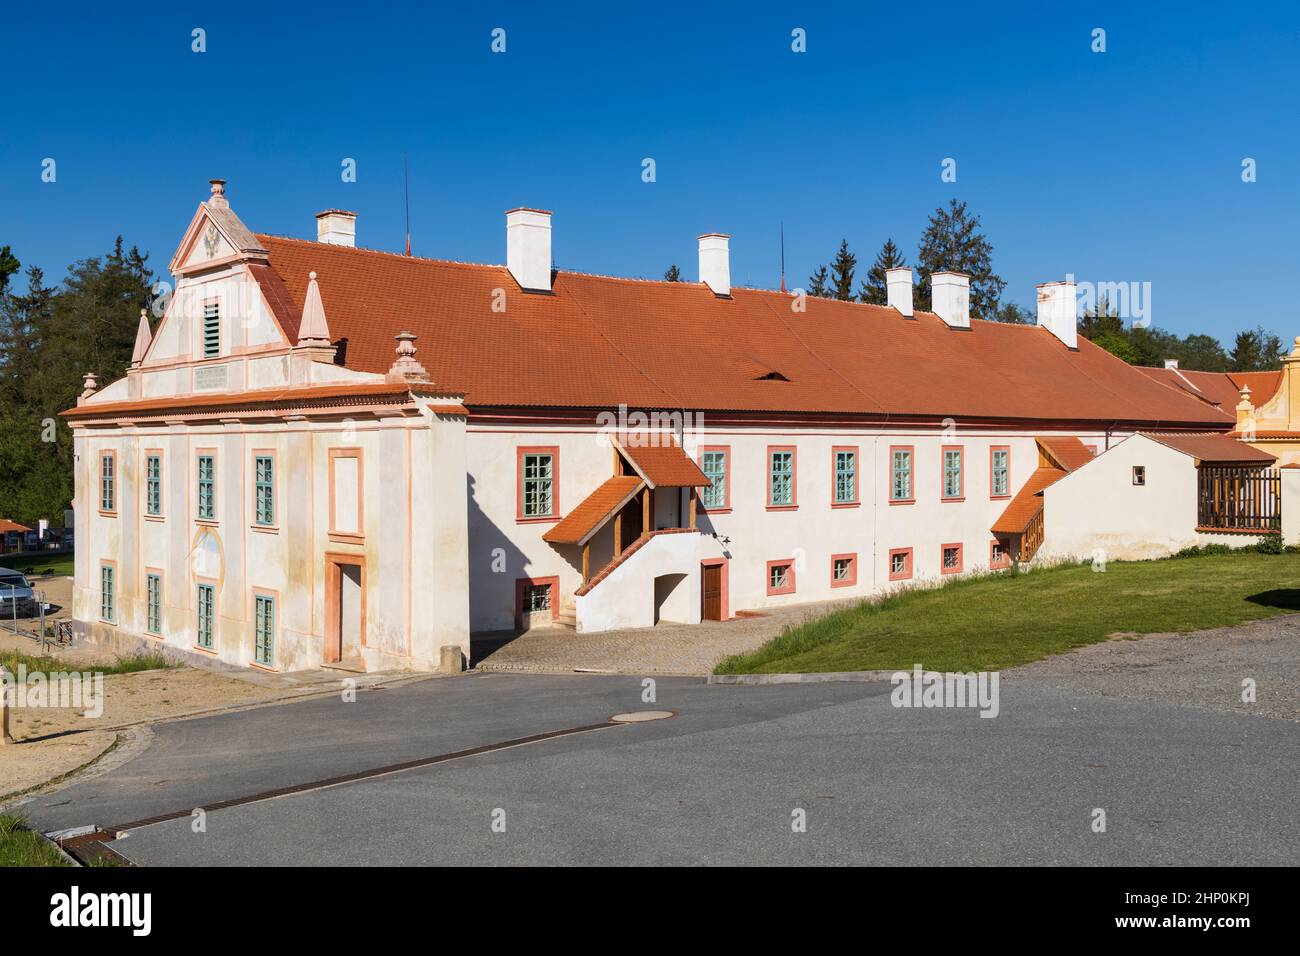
(327, 454)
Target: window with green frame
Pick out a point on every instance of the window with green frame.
(1000, 481)
(900, 485)
(108, 482)
(264, 490)
(952, 472)
(206, 611)
(153, 604)
(107, 596)
(264, 630)
(538, 490)
(207, 488)
(780, 484)
(153, 485)
(846, 477)
(714, 466)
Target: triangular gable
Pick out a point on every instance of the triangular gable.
(214, 236)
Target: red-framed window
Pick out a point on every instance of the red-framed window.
(952, 462)
(950, 558)
(537, 483)
(782, 478)
(844, 570)
(999, 553)
(844, 476)
(902, 475)
(900, 564)
(780, 576)
(536, 595)
(1000, 471)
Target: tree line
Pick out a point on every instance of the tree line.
(954, 240)
(50, 337)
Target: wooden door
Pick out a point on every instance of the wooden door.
(711, 601)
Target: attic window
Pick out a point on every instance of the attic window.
(758, 371)
(771, 377)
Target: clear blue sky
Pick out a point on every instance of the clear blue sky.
(1122, 166)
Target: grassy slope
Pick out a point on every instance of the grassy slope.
(19, 847)
(122, 665)
(997, 621)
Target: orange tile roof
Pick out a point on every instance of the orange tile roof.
(265, 397)
(7, 525)
(1212, 447)
(661, 461)
(1027, 502)
(596, 342)
(1068, 453)
(594, 510)
(1218, 388)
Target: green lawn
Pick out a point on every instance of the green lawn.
(996, 621)
(21, 847)
(61, 563)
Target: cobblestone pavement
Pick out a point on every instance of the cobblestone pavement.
(1203, 669)
(687, 649)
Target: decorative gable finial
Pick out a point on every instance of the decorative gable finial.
(313, 331)
(406, 368)
(143, 336)
(89, 386)
(218, 197)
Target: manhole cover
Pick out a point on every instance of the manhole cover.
(641, 715)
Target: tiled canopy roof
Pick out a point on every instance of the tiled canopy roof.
(661, 461)
(1027, 502)
(594, 510)
(7, 525)
(1068, 453)
(596, 342)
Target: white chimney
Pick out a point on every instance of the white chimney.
(528, 248)
(950, 298)
(898, 286)
(1058, 311)
(715, 262)
(338, 227)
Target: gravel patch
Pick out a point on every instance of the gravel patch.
(1203, 669)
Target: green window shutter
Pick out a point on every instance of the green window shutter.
(264, 630)
(211, 330)
(207, 488)
(205, 616)
(714, 466)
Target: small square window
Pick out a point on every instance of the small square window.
(780, 577)
(951, 563)
(1139, 474)
(900, 564)
(537, 597)
(844, 570)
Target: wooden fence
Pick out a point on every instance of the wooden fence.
(1235, 498)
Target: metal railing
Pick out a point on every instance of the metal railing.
(9, 621)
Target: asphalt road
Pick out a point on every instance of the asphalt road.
(716, 784)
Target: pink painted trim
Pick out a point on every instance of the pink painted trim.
(943, 454)
(724, 606)
(789, 588)
(857, 476)
(961, 558)
(521, 583)
(1005, 562)
(852, 579)
(726, 451)
(889, 474)
(907, 571)
(554, 452)
(992, 449)
(794, 477)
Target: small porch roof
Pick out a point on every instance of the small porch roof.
(1027, 502)
(660, 460)
(592, 512)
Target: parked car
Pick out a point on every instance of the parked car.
(15, 589)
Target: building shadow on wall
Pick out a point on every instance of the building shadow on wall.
(504, 561)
